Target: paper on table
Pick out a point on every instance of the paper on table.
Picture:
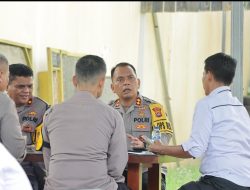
(141, 153)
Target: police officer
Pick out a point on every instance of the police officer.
(10, 131)
(139, 113)
(30, 110)
(81, 151)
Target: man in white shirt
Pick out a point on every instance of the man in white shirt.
(12, 175)
(220, 132)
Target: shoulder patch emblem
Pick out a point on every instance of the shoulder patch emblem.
(157, 111)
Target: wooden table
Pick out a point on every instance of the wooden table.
(135, 164)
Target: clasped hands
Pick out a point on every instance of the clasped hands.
(136, 142)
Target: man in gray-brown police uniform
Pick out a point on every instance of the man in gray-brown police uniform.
(30, 110)
(140, 114)
(84, 139)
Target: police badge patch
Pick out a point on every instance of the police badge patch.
(157, 111)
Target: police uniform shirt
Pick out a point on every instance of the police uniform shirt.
(221, 134)
(10, 130)
(138, 118)
(87, 145)
(32, 113)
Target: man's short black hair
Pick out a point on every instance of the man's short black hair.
(19, 70)
(222, 66)
(122, 64)
(89, 67)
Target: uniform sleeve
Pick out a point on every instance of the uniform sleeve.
(201, 130)
(117, 153)
(11, 134)
(166, 136)
(46, 143)
(41, 107)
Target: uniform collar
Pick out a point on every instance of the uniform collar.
(137, 103)
(220, 90)
(84, 94)
(28, 104)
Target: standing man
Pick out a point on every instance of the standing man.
(85, 140)
(139, 113)
(30, 110)
(10, 130)
(220, 133)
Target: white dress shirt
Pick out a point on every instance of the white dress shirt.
(221, 135)
(12, 176)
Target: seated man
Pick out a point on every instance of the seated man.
(30, 110)
(10, 130)
(220, 133)
(140, 114)
(84, 139)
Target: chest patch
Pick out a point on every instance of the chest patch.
(29, 118)
(141, 126)
(141, 119)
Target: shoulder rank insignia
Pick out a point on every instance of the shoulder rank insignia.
(29, 101)
(138, 101)
(117, 103)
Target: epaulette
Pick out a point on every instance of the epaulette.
(36, 97)
(48, 111)
(147, 100)
(111, 102)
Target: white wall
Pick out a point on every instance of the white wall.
(187, 40)
(118, 32)
(109, 29)
(246, 53)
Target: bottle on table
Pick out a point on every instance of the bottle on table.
(156, 135)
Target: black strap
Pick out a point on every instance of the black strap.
(46, 144)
